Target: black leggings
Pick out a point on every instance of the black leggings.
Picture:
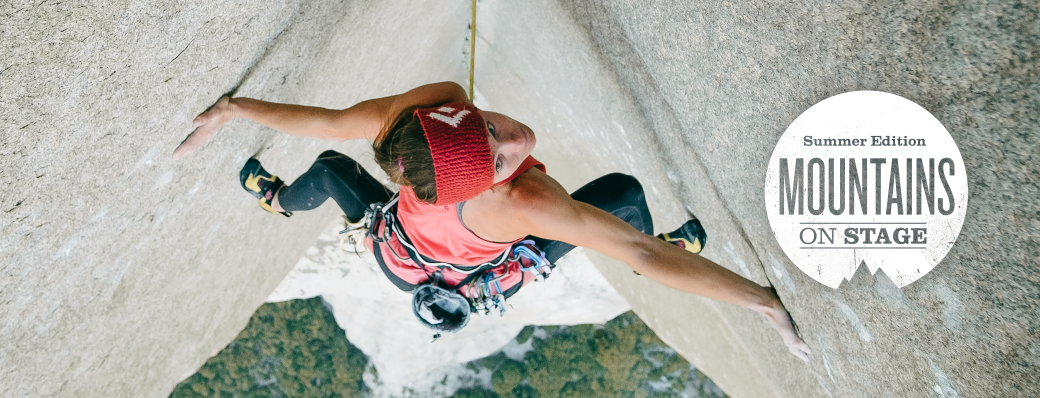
(337, 176)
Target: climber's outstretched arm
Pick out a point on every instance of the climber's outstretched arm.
(546, 210)
(367, 119)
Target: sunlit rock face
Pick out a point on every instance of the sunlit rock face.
(377, 317)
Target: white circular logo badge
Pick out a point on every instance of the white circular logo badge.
(866, 176)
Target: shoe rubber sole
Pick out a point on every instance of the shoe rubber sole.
(250, 177)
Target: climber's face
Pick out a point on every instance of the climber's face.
(511, 143)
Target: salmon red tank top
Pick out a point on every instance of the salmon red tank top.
(437, 232)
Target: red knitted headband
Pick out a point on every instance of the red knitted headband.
(461, 153)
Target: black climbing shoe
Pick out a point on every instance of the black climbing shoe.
(261, 184)
(690, 236)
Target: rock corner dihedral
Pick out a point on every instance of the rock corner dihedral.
(866, 176)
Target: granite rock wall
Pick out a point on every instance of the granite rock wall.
(122, 270)
(717, 84)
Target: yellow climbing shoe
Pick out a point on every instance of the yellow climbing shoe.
(261, 184)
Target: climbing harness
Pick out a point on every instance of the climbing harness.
(439, 286)
(387, 213)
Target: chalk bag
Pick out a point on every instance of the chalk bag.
(440, 309)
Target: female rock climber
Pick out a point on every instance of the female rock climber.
(470, 190)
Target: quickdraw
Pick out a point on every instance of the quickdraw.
(541, 267)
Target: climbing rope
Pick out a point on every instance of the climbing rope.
(472, 47)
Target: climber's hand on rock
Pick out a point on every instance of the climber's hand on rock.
(781, 320)
(205, 125)
(798, 347)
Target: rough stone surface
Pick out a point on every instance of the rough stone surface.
(123, 270)
(706, 89)
(720, 83)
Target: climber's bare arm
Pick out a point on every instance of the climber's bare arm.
(547, 211)
(365, 120)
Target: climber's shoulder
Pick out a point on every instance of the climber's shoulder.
(534, 190)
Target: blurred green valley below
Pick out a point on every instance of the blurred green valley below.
(296, 349)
